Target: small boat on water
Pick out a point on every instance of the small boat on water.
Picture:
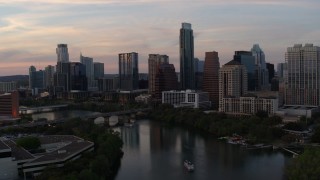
(188, 165)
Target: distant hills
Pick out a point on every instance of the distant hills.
(14, 78)
(22, 80)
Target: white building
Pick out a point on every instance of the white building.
(302, 76)
(249, 105)
(188, 98)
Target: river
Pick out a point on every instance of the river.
(156, 152)
(153, 151)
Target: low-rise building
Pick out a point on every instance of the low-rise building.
(188, 98)
(9, 105)
(249, 104)
(8, 86)
(59, 149)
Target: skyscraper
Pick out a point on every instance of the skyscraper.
(31, 70)
(62, 53)
(49, 76)
(128, 71)
(248, 60)
(270, 68)
(302, 79)
(78, 78)
(280, 70)
(154, 62)
(165, 80)
(232, 81)
(262, 80)
(187, 75)
(198, 70)
(88, 62)
(98, 69)
(211, 77)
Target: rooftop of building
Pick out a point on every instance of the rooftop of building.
(232, 63)
(50, 139)
(297, 107)
(3, 146)
(18, 153)
(62, 153)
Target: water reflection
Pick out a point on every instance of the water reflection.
(153, 151)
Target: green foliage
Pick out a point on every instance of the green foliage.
(219, 124)
(100, 164)
(316, 135)
(29, 142)
(305, 166)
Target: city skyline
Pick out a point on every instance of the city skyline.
(31, 30)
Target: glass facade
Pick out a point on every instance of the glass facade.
(128, 71)
(187, 74)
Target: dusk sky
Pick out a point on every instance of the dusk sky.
(31, 29)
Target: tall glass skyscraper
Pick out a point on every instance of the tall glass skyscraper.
(62, 53)
(187, 75)
(262, 79)
(128, 71)
(88, 62)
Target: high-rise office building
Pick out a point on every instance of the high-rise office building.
(187, 75)
(165, 80)
(62, 53)
(62, 77)
(31, 70)
(88, 62)
(280, 70)
(128, 71)
(248, 60)
(211, 77)
(78, 78)
(262, 79)
(49, 76)
(302, 80)
(198, 70)
(270, 68)
(36, 79)
(98, 69)
(154, 62)
(232, 81)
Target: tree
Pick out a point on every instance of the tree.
(29, 142)
(305, 166)
(316, 135)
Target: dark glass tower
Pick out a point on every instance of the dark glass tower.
(128, 71)
(187, 75)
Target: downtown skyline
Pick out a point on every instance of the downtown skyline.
(30, 30)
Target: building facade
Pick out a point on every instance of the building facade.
(261, 75)
(98, 69)
(154, 62)
(232, 81)
(246, 105)
(302, 78)
(165, 80)
(248, 60)
(187, 74)
(88, 62)
(128, 71)
(188, 98)
(49, 76)
(62, 53)
(8, 86)
(211, 77)
(9, 104)
(78, 78)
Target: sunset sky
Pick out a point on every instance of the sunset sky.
(31, 29)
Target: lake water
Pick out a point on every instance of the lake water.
(156, 152)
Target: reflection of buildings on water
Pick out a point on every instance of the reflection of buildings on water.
(130, 136)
